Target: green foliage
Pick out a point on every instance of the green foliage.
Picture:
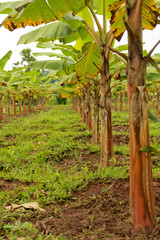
(60, 100)
(5, 59)
(19, 229)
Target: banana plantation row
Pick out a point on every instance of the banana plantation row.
(94, 58)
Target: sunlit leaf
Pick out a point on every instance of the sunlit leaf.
(118, 12)
(49, 32)
(86, 64)
(5, 59)
(36, 12)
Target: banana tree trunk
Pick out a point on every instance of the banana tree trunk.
(29, 98)
(76, 105)
(24, 106)
(106, 113)
(80, 105)
(95, 127)
(121, 101)
(14, 106)
(88, 108)
(9, 105)
(157, 104)
(115, 101)
(1, 107)
(83, 108)
(126, 102)
(33, 109)
(42, 102)
(20, 107)
(142, 203)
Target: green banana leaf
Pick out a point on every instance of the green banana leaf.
(85, 67)
(36, 12)
(49, 32)
(60, 65)
(5, 59)
(118, 13)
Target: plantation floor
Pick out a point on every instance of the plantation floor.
(79, 200)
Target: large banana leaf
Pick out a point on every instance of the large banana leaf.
(49, 32)
(52, 54)
(5, 59)
(36, 12)
(67, 50)
(86, 65)
(118, 12)
(63, 66)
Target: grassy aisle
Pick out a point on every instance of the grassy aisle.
(47, 158)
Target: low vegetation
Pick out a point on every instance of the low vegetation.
(47, 158)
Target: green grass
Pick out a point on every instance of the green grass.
(33, 152)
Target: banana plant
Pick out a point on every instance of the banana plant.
(30, 13)
(134, 16)
(3, 83)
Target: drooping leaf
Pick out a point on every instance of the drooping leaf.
(51, 54)
(5, 59)
(86, 64)
(49, 32)
(149, 149)
(36, 12)
(118, 12)
(153, 118)
(67, 50)
(60, 65)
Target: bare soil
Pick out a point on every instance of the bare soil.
(100, 211)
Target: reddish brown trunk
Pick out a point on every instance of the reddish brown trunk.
(115, 101)
(157, 104)
(126, 102)
(20, 107)
(153, 102)
(142, 204)
(14, 106)
(24, 106)
(9, 105)
(76, 105)
(95, 129)
(42, 102)
(121, 102)
(29, 98)
(33, 103)
(88, 108)
(83, 108)
(80, 106)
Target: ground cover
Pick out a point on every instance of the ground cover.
(48, 158)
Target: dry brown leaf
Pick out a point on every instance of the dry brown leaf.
(26, 206)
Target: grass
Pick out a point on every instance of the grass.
(41, 158)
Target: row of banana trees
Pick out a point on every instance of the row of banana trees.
(93, 58)
(27, 89)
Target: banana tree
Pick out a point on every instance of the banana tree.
(134, 16)
(30, 13)
(3, 83)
